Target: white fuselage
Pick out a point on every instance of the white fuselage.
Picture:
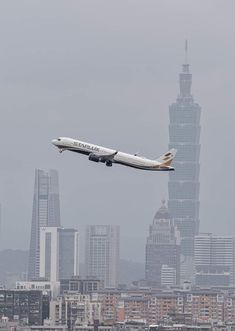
(109, 155)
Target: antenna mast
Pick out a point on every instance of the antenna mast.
(186, 51)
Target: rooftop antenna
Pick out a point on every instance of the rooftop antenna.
(186, 51)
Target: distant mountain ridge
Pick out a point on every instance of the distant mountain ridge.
(13, 266)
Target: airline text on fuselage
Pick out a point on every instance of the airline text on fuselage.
(92, 148)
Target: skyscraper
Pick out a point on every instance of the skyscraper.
(162, 250)
(58, 253)
(102, 253)
(46, 212)
(214, 258)
(68, 253)
(183, 187)
(49, 257)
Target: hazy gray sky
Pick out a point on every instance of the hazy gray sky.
(105, 72)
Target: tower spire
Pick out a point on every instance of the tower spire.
(186, 65)
(186, 51)
(185, 76)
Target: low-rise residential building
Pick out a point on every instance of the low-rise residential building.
(51, 287)
(75, 310)
(30, 307)
(81, 285)
(176, 305)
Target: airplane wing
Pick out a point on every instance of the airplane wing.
(102, 158)
(108, 157)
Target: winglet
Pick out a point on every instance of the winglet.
(167, 158)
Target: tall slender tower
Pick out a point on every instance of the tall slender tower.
(183, 187)
(46, 212)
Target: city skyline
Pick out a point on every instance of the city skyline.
(98, 246)
(112, 86)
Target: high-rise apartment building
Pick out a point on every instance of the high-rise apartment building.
(183, 187)
(102, 253)
(46, 212)
(214, 258)
(162, 249)
(58, 253)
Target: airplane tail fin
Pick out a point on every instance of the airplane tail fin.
(167, 158)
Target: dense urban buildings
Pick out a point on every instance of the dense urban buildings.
(113, 307)
(183, 187)
(59, 253)
(162, 265)
(165, 307)
(28, 306)
(214, 260)
(102, 253)
(46, 212)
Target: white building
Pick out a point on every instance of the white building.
(102, 253)
(168, 276)
(58, 253)
(75, 309)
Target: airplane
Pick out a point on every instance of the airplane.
(109, 156)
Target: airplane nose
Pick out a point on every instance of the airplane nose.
(54, 142)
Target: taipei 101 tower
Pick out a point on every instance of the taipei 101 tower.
(183, 187)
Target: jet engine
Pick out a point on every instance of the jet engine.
(94, 158)
(109, 163)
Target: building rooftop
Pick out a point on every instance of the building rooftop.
(163, 212)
